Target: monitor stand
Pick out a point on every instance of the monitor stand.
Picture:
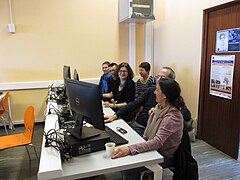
(87, 133)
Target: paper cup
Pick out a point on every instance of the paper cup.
(110, 147)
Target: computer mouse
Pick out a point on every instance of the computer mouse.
(1, 93)
(121, 130)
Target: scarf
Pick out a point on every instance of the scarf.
(104, 83)
(155, 119)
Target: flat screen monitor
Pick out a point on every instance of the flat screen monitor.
(66, 72)
(85, 103)
(66, 75)
(75, 75)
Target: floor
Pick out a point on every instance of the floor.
(213, 164)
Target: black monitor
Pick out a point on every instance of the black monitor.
(85, 103)
(62, 99)
(75, 75)
(66, 72)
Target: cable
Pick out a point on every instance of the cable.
(56, 139)
(56, 93)
(54, 108)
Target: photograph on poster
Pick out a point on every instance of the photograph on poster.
(228, 40)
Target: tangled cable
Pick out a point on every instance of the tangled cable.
(56, 139)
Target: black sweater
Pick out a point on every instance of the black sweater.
(147, 100)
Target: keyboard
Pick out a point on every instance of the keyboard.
(115, 137)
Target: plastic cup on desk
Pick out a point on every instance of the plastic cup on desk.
(110, 147)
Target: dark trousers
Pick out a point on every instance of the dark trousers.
(137, 127)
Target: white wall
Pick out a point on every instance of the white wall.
(177, 42)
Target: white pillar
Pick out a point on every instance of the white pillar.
(132, 46)
(148, 44)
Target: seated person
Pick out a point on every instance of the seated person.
(113, 80)
(105, 77)
(124, 91)
(146, 81)
(145, 102)
(164, 128)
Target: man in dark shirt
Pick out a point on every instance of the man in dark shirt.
(144, 103)
(113, 80)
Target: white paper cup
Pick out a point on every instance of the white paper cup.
(110, 147)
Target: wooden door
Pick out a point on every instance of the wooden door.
(219, 118)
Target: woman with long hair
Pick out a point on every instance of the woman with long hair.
(164, 128)
(124, 90)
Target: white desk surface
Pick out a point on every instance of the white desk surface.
(50, 165)
(95, 163)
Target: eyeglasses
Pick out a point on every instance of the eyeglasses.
(157, 77)
(122, 71)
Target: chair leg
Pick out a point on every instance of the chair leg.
(28, 154)
(34, 151)
(141, 176)
(11, 126)
(4, 124)
(147, 173)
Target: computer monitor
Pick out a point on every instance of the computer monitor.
(85, 103)
(75, 75)
(66, 72)
(62, 92)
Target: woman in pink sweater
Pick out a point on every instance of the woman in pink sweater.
(165, 124)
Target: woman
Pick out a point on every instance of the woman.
(124, 90)
(146, 80)
(165, 126)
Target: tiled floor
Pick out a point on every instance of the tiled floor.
(213, 164)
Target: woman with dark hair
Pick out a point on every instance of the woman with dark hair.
(145, 81)
(164, 128)
(124, 90)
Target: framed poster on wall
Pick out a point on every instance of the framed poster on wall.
(221, 75)
(228, 40)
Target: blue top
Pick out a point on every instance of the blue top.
(104, 82)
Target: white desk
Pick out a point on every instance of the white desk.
(95, 163)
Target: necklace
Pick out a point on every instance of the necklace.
(121, 85)
(144, 81)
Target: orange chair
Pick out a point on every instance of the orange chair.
(4, 111)
(21, 139)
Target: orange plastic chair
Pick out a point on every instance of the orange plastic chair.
(21, 139)
(4, 111)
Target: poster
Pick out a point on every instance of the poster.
(221, 75)
(228, 40)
